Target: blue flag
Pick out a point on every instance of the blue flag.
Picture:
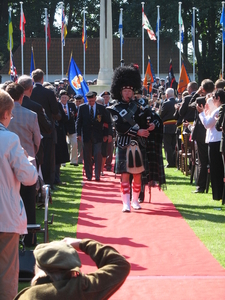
(76, 80)
(32, 67)
(222, 22)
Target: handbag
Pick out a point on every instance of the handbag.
(26, 263)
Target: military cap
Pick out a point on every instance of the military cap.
(157, 78)
(78, 96)
(63, 92)
(56, 256)
(162, 79)
(91, 94)
(64, 79)
(61, 82)
(105, 93)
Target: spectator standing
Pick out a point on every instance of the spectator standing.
(25, 125)
(47, 99)
(15, 168)
(169, 127)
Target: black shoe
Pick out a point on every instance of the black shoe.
(89, 179)
(75, 165)
(97, 179)
(198, 191)
(140, 200)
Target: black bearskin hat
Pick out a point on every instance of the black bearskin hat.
(126, 76)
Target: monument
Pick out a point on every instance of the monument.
(106, 47)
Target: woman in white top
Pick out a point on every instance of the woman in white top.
(213, 138)
(15, 168)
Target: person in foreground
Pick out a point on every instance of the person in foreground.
(15, 168)
(58, 275)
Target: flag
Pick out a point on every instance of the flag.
(32, 62)
(48, 34)
(193, 31)
(148, 27)
(22, 27)
(13, 72)
(149, 77)
(182, 31)
(76, 79)
(172, 80)
(158, 25)
(183, 80)
(121, 29)
(64, 28)
(10, 34)
(84, 34)
(222, 22)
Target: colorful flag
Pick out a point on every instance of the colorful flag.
(13, 72)
(10, 34)
(222, 22)
(183, 80)
(172, 80)
(84, 34)
(149, 77)
(148, 27)
(182, 31)
(22, 27)
(48, 34)
(64, 28)
(32, 62)
(193, 31)
(121, 29)
(76, 80)
(158, 25)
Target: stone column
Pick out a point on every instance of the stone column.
(106, 44)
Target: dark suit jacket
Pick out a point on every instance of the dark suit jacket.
(167, 113)
(220, 125)
(185, 112)
(98, 129)
(199, 131)
(43, 121)
(70, 124)
(46, 98)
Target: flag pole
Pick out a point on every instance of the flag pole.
(62, 36)
(223, 44)
(180, 34)
(193, 37)
(21, 19)
(46, 43)
(121, 37)
(158, 40)
(143, 50)
(84, 44)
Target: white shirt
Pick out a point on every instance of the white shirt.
(212, 135)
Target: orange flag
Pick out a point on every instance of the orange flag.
(183, 80)
(149, 79)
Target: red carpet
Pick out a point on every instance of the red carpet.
(168, 261)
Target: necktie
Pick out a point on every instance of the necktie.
(92, 114)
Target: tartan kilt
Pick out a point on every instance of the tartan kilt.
(121, 161)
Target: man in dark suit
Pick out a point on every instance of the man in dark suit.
(43, 121)
(199, 133)
(92, 121)
(79, 99)
(185, 112)
(71, 112)
(47, 99)
(109, 143)
(169, 127)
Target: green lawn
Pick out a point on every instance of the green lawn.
(205, 216)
